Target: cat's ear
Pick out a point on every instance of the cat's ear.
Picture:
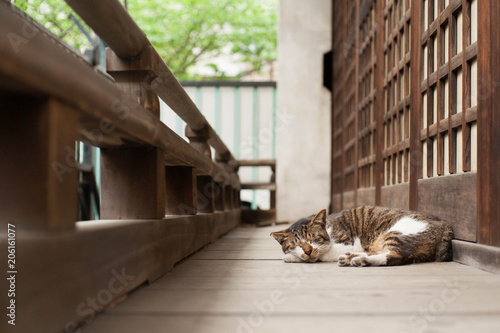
(279, 235)
(320, 218)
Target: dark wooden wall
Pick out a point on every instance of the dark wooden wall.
(413, 119)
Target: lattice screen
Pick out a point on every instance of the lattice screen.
(449, 87)
(396, 119)
(366, 98)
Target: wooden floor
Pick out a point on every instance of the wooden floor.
(239, 284)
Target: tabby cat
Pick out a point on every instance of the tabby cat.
(367, 236)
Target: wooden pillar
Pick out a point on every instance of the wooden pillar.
(205, 184)
(205, 195)
(273, 192)
(133, 179)
(219, 190)
(181, 191)
(415, 102)
(488, 123)
(38, 172)
(228, 197)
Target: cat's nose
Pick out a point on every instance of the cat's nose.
(307, 249)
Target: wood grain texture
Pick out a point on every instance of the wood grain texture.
(132, 183)
(477, 255)
(180, 191)
(240, 284)
(205, 194)
(415, 103)
(56, 285)
(454, 199)
(396, 196)
(488, 123)
(38, 173)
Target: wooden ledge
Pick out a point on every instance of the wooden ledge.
(477, 255)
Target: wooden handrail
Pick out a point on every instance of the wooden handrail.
(114, 25)
(93, 96)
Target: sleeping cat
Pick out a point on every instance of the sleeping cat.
(367, 236)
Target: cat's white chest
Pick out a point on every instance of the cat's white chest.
(338, 249)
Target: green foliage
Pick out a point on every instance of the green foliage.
(184, 31)
(53, 15)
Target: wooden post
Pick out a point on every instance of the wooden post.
(205, 184)
(415, 105)
(219, 190)
(488, 123)
(181, 193)
(228, 198)
(199, 140)
(38, 173)
(205, 195)
(133, 179)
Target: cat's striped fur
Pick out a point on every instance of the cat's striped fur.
(367, 236)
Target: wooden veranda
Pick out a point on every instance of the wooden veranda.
(240, 284)
(405, 133)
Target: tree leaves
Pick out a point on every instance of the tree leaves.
(184, 32)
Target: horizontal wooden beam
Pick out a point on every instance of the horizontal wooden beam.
(107, 117)
(259, 186)
(261, 162)
(100, 262)
(228, 83)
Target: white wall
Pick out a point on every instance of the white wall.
(303, 122)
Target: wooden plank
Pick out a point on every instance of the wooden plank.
(488, 123)
(181, 191)
(269, 322)
(396, 196)
(477, 255)
(102, 261)
(454, 199)
(39, 174)
(366, 196)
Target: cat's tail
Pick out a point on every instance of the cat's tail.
(444, 251)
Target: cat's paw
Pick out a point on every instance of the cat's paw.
(343, 261)
(290, 258)
(353, 259)
(359, 261)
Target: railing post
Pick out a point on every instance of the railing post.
(38, 173)
(205, 195)
(133, 178)
(181, 191)
(199, 140)
(205, 184)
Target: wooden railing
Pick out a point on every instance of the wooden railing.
(162, 198)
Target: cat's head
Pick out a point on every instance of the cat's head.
(306, 239)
